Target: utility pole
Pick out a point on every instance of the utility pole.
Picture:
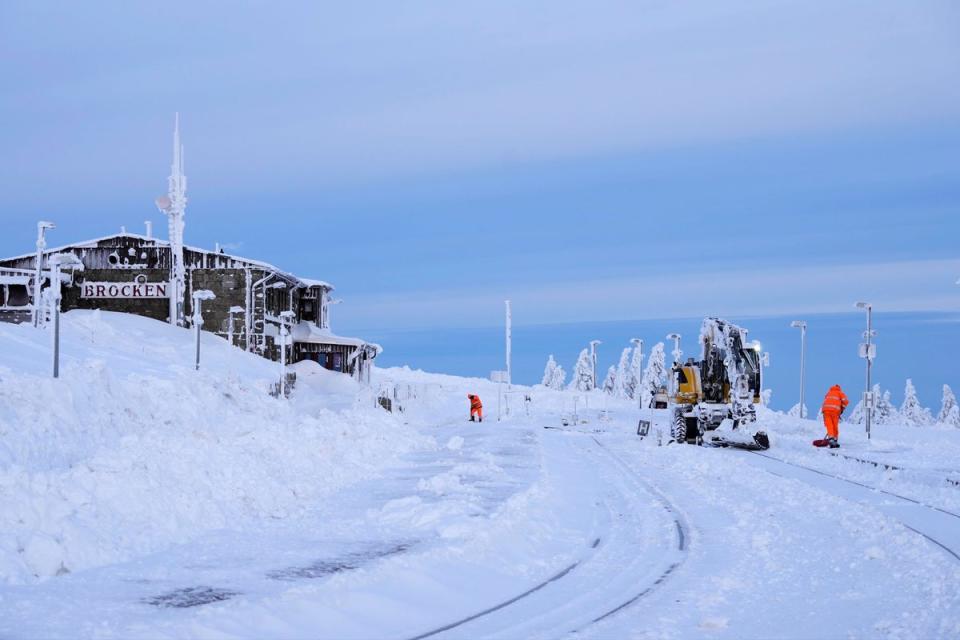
(42, 228)
(509, 338)
(593, 360)
(677, 353)
(802, 325)
(198, 298)
(868, 351)
(173, 205)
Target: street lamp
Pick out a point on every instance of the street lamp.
(58, 262)
(677, 353)
(593, 359)
(868, 351)
(286, 319)
(638, 347)
(198, 298)
(42, 227)
(802, 325)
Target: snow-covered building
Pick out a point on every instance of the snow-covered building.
(148, 276)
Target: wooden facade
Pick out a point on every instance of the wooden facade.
(127, 273)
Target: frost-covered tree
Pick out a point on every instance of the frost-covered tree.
(610, 382)
(653, 376)
(947, 405)
(765, 395)
(559, 378)
(885, 412)
(795, 411)
(582, 373)
(626, 378)
(910, 411)
(953, 418)
(550, 373)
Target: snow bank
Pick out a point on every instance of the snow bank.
(131, 450)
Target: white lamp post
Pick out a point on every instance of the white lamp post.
(42, 227)
(198, 298)
(286, 319)
(802, 325)
(677, 353)
(57, 262)
(509, 340)
(868, 351)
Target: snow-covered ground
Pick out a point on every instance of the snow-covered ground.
(140, 498)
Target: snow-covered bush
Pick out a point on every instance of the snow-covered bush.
(653, 376)
(885, 412)
(911, 412)
(795, 411)
(947, 406)
(610, 382)
(582, 373)
(765, 395)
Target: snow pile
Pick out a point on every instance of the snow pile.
(131, 450)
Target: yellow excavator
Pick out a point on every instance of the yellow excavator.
(714, 399)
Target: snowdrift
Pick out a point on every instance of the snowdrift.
(131, 450)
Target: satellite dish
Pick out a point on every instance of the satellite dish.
(163, 203)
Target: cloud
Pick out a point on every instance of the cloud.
(919, 285)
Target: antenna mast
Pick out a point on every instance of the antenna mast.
(173, 205)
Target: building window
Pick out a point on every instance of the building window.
(18, 296)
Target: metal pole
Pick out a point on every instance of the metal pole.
(509, 338)
(869, 364)
(803, 354)
(283, 360)
(56, 321)
(196, 325)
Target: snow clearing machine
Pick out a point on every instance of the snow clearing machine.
(714, 399)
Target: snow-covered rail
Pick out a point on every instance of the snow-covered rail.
(947, 523)
(623, 566)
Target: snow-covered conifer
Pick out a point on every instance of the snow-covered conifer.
(911, 412)
(795, 411)
(885, 412)
(559, 378)
(610, 382)
(626, 377)
(582, 373)
(953, 418)
(653, 376)
(549, 372)
(947, 405)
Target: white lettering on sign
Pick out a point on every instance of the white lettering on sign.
(125, 290)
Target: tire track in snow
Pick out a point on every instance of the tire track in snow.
(682, 544)
(930, 538)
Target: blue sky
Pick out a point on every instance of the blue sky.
(592, 161)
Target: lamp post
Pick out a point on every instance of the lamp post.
(57, 262)
(286, 319)
(593, 360)
(677, 353)
(638, 347)
(509, 342)
(42, 227)
(868, 351)
(802, 325)
(198, 298)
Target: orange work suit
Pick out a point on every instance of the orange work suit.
(476, 407)
(833, 405)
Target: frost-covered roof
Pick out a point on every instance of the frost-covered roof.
(311, 333)
(92, 244)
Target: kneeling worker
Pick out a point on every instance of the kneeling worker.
(833, 405)
(476, 407)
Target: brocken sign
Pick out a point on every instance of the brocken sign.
(124, 290)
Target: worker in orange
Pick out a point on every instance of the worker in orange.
(833, 405)
(476, 407)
